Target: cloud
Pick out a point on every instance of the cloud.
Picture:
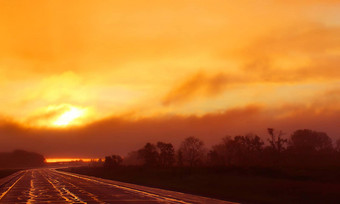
(200, 84)
(307, 53)
(297, 53)
(47, 115)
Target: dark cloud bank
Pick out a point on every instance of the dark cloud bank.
(119, 136)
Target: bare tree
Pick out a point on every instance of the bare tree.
(150, 155)
(113, 161)
(180, 158)
(192, 150)
(276, 141)
(167, 154)
(239, 151)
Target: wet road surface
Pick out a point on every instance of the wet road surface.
(51, 186)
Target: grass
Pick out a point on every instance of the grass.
(227, 184)
(7, 172)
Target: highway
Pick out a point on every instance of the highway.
(51, 186)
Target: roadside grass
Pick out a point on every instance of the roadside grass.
(7, 172)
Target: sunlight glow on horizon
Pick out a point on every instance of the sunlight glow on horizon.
(55, 160)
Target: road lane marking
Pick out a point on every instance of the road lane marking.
(153, 195)
(4, 193)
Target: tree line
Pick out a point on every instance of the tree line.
(21, 159)
(304, 148)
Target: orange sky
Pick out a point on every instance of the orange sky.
(67, 66)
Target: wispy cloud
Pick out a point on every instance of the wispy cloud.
(199, 84)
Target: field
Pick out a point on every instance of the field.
(239, 185)
(7, 172)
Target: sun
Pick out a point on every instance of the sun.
(61, 116)
(69, 117)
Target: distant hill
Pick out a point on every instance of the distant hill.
(21, 159)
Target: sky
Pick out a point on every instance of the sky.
(89, 78)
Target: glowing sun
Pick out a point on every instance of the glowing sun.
(69, 116)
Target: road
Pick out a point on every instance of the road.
(51, 186)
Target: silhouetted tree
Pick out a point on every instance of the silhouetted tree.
(113, 161)
(192, 150)
(117, 160)
(108, 163)
(310, 141)
(229, 150)
(96, 163)
(276, 141)
(273, 154)
(21, 159)
(180, 162)
(150, 155)
(166, 155)
(240, 151)
(251, 147)
(310, 148)
(216, 156)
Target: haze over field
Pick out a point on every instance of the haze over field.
(92, 78)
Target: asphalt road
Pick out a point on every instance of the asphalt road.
(51, 186)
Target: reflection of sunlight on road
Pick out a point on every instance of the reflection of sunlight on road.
(75, 188)
(62, 190)
(51, 186)
(31, 194)
(127, 189)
